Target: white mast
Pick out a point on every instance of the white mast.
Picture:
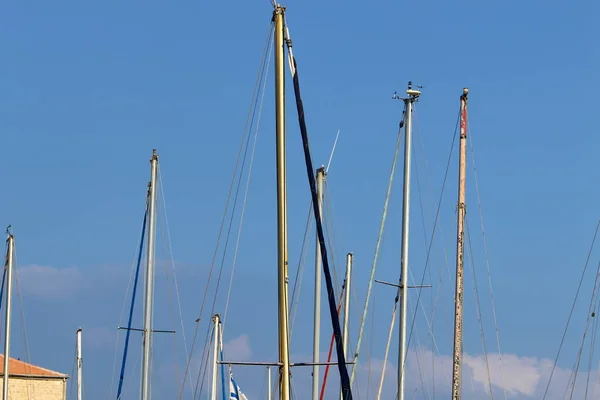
(460, 251)
(349, 261)
(412, 97)
(79, 367)
(217, 340)
(147, 345)
(318, 272)
(7, 319)
(269, 382)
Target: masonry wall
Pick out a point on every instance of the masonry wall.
(36, 389)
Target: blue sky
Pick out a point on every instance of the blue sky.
(89, 89)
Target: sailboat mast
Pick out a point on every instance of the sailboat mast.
(412, 97)
(149, 289)
(460, 251)
(282, 254)
(79, 367)
(217, 339)
(345, 339)
(317, 313)
(7, 315)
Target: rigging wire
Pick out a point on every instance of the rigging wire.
(478, 308)
(387, 347)
(440, 285)
(575, 371)
(22, 310)
(248, 125)
(337, 135)
(572, 310)
(301, 264)
(262, 77)
(73, 370)
(249, 175)
(204, 362)
(131, 275)
(300, 272)
(435, 224)
(592, 348)
(487, 258)
(341, 359)
(339, 307)
(376, 256)
(434, 301)
(172, 259)
(170, 296)
(422, 212)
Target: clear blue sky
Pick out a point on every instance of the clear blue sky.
(87, 90)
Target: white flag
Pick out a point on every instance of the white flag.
(234, 390)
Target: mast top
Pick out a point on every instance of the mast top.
(465, 91)
(154, 155)
(412, 93)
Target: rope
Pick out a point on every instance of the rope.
(377, 246)
(341, 359)
(487, 260)
(330, 351)
(2, 287)
(130, 319)
(123, 307)
(572, 309)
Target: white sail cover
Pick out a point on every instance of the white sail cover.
(234, 390)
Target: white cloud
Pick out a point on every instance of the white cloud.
(238, 349)
(50, 282)
(522, 377)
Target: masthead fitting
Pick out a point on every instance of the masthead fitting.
(465, 90)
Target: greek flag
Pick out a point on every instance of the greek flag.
(234, 390)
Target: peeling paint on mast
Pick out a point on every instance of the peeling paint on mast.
(460, 252)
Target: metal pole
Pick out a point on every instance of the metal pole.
(216, 337)
(269, 382)
(7, 318)
(318, 272)
(460, 250)
(147, 342)
(349, 261)
(412, 96)
(282, 256)
(79, 367)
